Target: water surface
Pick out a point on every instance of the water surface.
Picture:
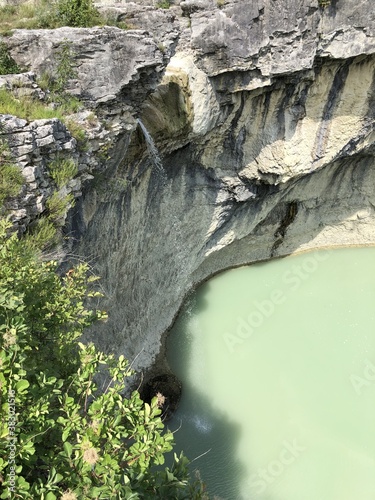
(278, 365)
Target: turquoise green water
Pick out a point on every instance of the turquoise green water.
(278, 365)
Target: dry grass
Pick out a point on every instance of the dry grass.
(24, 16)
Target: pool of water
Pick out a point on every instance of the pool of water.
(277, 362)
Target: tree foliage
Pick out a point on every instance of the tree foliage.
(60, 436)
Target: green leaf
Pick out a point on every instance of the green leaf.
(65, 435)
(147, 411)
(68, 448)
(21, 386)
(51, 496)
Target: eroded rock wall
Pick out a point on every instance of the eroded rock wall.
(265, 123)
(264, 120)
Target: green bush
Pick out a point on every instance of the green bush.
(65, 65)
(60, 437)
(75, 13)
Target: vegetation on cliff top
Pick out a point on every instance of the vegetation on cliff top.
(55, 14)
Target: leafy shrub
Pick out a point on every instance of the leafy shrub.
(65, 65)
(72, 440)
(78, 13)
(8, 65)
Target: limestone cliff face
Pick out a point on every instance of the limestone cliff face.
(264, 119)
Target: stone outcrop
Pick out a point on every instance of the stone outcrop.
(109, 63)
(270, 38)
(264, 120)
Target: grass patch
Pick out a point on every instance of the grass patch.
(163, 4)
(55, 14)
(23, 16)
(25, 107)
(62, 171)
(11, 181)
(78, 133)
(45, 81)
(45, 234)
(67, 104)
(30, 109)
(42, 235)
(56, 85)
(43, 14)
(57, 207)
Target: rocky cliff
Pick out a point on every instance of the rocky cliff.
(263, 115)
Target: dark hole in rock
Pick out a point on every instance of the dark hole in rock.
(167, 388)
